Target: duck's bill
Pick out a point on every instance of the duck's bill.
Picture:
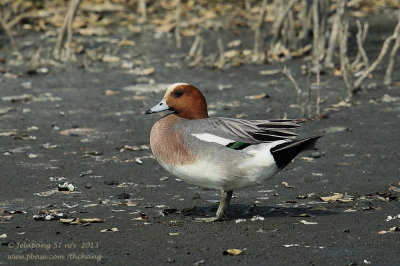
(161, 106)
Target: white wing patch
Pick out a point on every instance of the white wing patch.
(213, 138)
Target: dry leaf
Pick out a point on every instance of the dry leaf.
(337, 72)
(234, 43)
(286, 185)
(114, 229)
(76, 131)
(301, 51)
(90, 31)
(110, 58)
(307, 223)
(174, 234)
(388, 99)
(232, 251)
(7, 134)
(134, 148)
(391, 230)
(319, 208)
(332, 198)
(6, 217)
(111, 92)
(102, 6)
(75, 221)
(300, 215)
(135, 29)
(142, 71)
(130, 203)
(257, 96)
(334, 129)
(167, 27)
(391, 187)
(66, 187)
(17, 98)
(341, 104)
(270, 72)
(350, 210)
(188, 32)
(142, 217)
(126, 42)
(4, 111)
(308, 159)
(45, 193)
(231, 54)
(344, 200)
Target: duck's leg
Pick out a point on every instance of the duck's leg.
(226, 196)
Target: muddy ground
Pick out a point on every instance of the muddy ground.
(78, 123)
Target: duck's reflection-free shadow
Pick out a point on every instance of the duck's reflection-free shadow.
(246, 211)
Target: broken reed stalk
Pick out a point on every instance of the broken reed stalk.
(247, 5)
(284, 8)
(221, 51)
(288, 39)
(378, 60)
(196, 49)
(17, 19)
(305, 21)
(8, 32)
(344, 59)
(309, 110)
(361, 36)
(317, 52)
(143, 11)
(257, 33)
(340, 10)
(296, 87)
(66, 27)
(392, 58)
(178, 10)
(195, 45)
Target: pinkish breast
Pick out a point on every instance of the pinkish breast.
(167, 143)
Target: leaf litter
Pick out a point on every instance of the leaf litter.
(76, 221)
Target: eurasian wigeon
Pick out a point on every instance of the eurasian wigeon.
(219, 153)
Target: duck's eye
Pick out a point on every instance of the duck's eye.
(178, 94)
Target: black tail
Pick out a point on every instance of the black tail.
(285, 152)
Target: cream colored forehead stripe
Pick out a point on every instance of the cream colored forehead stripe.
(173, 86)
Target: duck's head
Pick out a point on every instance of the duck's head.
(184, 100)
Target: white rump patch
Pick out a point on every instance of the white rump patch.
(212, 138)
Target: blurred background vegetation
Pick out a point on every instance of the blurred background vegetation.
(271, 31)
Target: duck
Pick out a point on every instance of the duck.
(220, 153)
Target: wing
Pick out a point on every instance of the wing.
(237, 133)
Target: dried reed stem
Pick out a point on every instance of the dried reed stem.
(317, 52)
(221, 51)
(178, 11)
(296, 87)
(378, 60)
(143, 11)
(361, 36)
(66, 27)
(257, 33)
(392, 58)
(340, 10)
(284, 8)
(8, 32)
(344, 59)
